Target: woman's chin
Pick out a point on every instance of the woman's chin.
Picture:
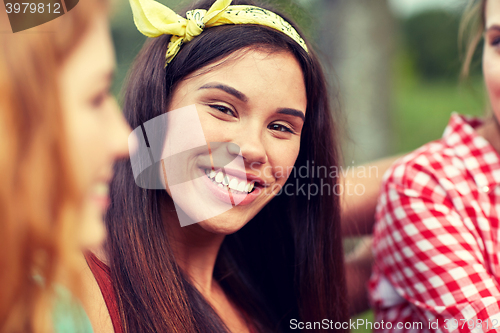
(222, 226)
(92, 229)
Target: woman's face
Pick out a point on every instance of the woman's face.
(251, 109)
(96, 130)
(491, 54)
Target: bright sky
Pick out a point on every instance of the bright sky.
(405, 8)
(410, 7)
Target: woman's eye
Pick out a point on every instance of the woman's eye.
(97, 101)
(223, 109)
(495, 41)
(280, 128)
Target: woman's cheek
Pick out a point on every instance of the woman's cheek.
(491, 68)
(283, 160)
(214, 129)
(82, 143)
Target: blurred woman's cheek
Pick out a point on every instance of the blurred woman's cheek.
(92, 231)
(91, 133)
(491, 70)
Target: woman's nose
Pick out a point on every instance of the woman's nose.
(251, 148)
(120, 142)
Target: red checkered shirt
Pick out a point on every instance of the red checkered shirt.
(436, 240)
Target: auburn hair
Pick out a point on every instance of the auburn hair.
(39, 200)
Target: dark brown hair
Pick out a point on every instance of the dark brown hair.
(286, 263)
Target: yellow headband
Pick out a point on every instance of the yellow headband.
(154, 19)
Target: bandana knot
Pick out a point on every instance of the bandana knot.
(194, 24)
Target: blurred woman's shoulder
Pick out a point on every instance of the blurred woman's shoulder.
(68, 314)
(457, 152)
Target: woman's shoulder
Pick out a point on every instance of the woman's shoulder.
(434, 160)
(443, 159)
(68, 315)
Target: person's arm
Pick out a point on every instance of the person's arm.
(359, 200)
(432, 256)
(358, 268)
(361, 189)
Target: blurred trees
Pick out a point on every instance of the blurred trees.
(127, 40)
(426, 81)
(431, 38)
(357, 38)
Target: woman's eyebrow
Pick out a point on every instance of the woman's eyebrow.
(494, 27)
(292, 112)
(106, 77)
(230, 90)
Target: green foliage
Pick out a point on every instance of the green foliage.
(127, 40)
(422, 108)
(432, 41)
(367, 316)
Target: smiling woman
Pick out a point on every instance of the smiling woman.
(259, 96)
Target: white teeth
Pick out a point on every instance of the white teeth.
(241, 185)
(219, 177)
(233, 184)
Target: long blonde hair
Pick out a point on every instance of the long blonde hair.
(471, 32)
(38, 198)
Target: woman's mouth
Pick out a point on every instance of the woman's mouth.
(100, 194)
(230, 189)
(228, 182)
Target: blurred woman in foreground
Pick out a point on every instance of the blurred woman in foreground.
(60, 132)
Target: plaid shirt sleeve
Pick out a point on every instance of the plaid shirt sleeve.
(431, 254)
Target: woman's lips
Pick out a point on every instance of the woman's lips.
(100, 195)
(230, 190)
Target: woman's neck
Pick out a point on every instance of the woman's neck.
(490, 130)
(195, 251)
